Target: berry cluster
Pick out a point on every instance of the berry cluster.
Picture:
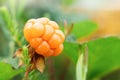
(44, 36)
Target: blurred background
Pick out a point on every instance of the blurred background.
(96, 23)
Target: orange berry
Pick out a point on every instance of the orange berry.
(35, 42)
(49, 31)
(55, 41)
(37, 30)
(44, 36)
(43, 20)
(31, 21)
(49, 53)
(58, 50)
(61, 35)
(43, 48)
(27, 34)
(53, 24)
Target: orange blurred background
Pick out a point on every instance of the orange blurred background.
(106, 13)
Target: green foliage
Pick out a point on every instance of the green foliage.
(11, 61)
(67, 2)
(82, 64)
(6, 22)
(26, 58)
(6, 19)
(79, 68)
(4, 49)
(7, 72)
(72, 50)
(103, 54)
(84, 28)
(103, 57)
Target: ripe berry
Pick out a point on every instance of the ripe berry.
(44, 36)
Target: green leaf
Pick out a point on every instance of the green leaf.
(72, 50)
(81, 67)
(104, 57)
(7, 20)
(20, 8)
(84, 28)
(12, 61)
(25, 55)
(67, 2)
(12, 6)
(4, 49)
(6, 71)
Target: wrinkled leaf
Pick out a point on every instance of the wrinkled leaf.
(40, 63)
(31, 51)
(18, 53)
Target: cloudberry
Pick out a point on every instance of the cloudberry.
(44, 36)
